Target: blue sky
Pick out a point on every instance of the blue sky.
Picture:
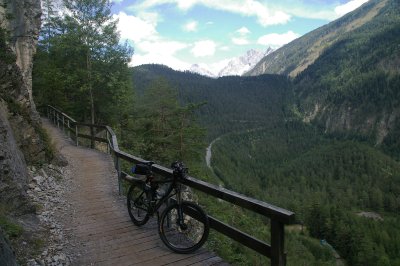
(179, 33)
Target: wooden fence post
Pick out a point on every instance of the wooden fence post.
(92, 136)
(68, 128)
(58, 121)
(63, 123)
(118, 167)
(277, 243)
(76, 135)
(108, 142)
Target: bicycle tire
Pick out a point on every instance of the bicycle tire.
(136, 203)
(179, 239)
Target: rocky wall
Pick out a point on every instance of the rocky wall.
(20, 20)
(20, 137)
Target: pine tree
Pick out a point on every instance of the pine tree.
(83, 63)
(165, 130)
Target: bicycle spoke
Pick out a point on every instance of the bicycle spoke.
(137, 207)
(187, 235)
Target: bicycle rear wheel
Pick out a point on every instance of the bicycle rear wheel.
(183, 236)
(137, 204)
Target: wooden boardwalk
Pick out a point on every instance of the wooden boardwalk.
(99, 221)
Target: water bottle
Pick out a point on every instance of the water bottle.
(159, 193)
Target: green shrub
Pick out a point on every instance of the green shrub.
(12, 229)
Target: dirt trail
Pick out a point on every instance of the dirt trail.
(100, 230)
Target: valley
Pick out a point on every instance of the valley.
(209, 153)
(326, 144)
(314, 128)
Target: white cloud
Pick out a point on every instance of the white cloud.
(161, 46)
(159, 58)
(191, 26)
(265, 15)
(276, 40)
(117, 1)
(150, 17)
(275, 13)
(215, 67)
(134, 28)
(160, 51)
(328, 13)
(225, 48)
(240, 41)
(243, 31)
(149, 46)
(311, 12)
(241, 36)
(204, 48)
(348, 7)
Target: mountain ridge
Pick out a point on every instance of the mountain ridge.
(346, 74)
(313, 43)
(232, 102)
(236, 66)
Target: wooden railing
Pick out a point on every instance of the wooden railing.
(278, 216)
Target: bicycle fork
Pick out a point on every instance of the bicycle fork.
(181, 220)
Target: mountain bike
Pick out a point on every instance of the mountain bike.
(183, 226)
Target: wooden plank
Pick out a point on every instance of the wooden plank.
(243, 238)
(277, 244)
(57, 110)
(91, 125)
(94, 138)
(194, 259)
(210, 261)
(279, 216)
(235, 234)
(255, 205)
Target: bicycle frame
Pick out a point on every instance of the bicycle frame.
(145, 197)
(167, 195)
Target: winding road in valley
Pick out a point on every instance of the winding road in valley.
(100, 231)
(209, 148)
(209, 153)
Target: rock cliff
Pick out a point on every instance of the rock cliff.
(19, 121)
(21, 137)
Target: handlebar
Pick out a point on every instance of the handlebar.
(179, 169)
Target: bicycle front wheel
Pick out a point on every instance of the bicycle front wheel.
(137, 204)
(188, 234)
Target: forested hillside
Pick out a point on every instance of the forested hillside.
(327, 181)
(354, 86)
(319, 136)
(346, 73)
(340, 173)
(230, 103)
(296, 56)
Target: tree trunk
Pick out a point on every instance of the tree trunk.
(181, 136)
(89, 69)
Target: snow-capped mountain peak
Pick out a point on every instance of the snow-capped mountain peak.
(235, 67)
(240, 65)
(202, 70)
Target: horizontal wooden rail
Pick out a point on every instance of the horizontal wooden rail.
(92, 138)
(279, 217)
(90, 125)
(245, 239)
